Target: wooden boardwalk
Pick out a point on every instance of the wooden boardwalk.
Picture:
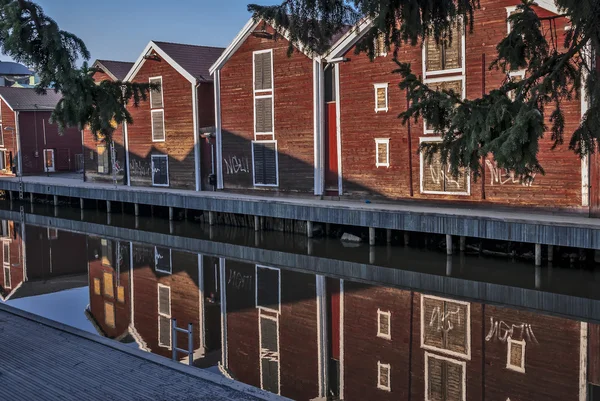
(44, 360)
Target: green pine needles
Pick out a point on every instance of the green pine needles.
(506, 123)
(31, 37)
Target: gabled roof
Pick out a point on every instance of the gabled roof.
(27, 99)
(247, 31)
(191, 61)
(117, 70)
(354, 34)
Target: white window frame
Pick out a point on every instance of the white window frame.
(383, 53)
(261, 316)
(385, 141)
(510, 366)
(511, 74)
(1, 132)
(6, 265)
(262, 308)
(162, 93)
(52, 233)
(4, 229)
(152, 157)
(422, 173)
(388, 314)
(509, 11)
(152, 113)
(462, 364)
(46, 168)
(386, 108)
(460, 70)
(169, 316)
(425, 320)
(461, 78)
(276, 164)
(381, 366)
(263, 94)
(170, 271)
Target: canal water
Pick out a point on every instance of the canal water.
(311, 319)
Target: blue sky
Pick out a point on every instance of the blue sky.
(120, 29)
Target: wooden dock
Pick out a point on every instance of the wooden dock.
(527, 226)
(45, 360)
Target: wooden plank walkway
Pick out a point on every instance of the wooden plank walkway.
(479, 221)
(45, 360)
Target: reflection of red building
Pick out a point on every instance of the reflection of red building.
(455, 350)
(40, 260)
(165, 286)
(108, 273)
(272, 336)
(13, 266)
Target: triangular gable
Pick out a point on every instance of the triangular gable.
(241, 37)
(142, 59)
(346, 42)
(98, 65)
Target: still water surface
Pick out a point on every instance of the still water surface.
(311, 319)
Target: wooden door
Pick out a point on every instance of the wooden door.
(331, 150)
(63, 162)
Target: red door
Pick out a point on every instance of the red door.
(331, 151)
(63, 162)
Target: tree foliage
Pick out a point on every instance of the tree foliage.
(31, 37)
(507, 122)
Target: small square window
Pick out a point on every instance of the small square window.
(384, 324)
(381, 97)
(515, 355)
(380, 49)
(383, 376)
(382, 149)
(52, 233)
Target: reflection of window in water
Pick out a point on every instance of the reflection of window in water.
(162, 260)
(164, 316)
(445, 326)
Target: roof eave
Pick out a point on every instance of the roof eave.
(98, 64)
(142, 58)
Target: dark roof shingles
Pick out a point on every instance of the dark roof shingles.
(196, 60)
(21, 99)
(119, 69)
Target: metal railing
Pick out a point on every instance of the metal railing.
(190, 350)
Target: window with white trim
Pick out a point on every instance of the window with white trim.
(103, 159)
(158, 125)
(450, 84)
(445, 56)
(3, 162)
(156, 95)
(384, 324)
(383, 376)
(263, 92)
(382, 152)
(515, 355)
(6, 253)
(265, 163)
(437, 178)
(107, 252)
(157, 111)
(445, 379)
(446, 326)
(515, 76)
(268, 288)
(160, 170)
(269, 352)
(380, 48)
(4, 229)
(163, 260)
(381, 97)
(52, 233)
(164, 316)
(109, 314)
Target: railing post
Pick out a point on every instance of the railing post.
(190, 344)
(174, 338)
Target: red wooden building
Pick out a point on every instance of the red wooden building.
(272, 338)
(27, 131)
(97, 155)
(109, 286)
(166, 146)
(269, 119)
(382, 160)
(13, 267)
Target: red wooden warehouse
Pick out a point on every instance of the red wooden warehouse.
(98, 155)
(165, 144)
(28, 132)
